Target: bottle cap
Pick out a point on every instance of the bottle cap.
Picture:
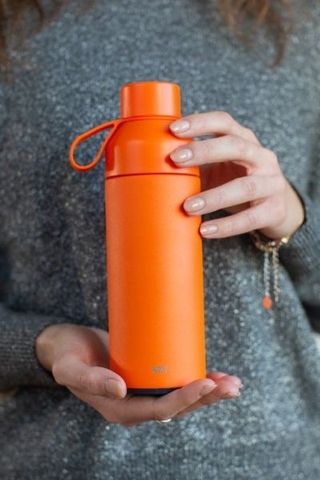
(150, 98)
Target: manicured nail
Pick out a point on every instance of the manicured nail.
(239, 384)
(207, 388)
(114, 388)
(182, 155)
(231, 393)
(180, 126)
(195, 204)
(237, 381)
(207, 229)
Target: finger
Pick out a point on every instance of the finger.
(235, 192)
(225, 149)
(72, 372)
(141, 409)
(133, 410)
(216, 376)
(267, 213)
(226, 390)
(208, 123)
(171, 404)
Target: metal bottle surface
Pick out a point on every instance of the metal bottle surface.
(154, 261)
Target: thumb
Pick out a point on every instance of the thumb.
(72, 372)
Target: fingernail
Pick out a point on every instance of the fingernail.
(237, 381)
(114, 387)
(231, 393)
(182, 155)
(207, 388)
(180, 126)
(207, 229)
(194, 204)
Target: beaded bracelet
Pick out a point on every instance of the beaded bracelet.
(270, 265)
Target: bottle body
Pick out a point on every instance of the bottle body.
(154, 262)
(154, 265)
(154, 281)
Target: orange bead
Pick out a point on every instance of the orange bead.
(267, 302)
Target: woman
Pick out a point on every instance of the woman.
(67, 417)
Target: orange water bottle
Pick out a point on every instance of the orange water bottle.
(154, 262)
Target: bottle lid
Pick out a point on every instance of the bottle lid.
(150, 98)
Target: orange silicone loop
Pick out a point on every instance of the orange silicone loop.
(83, 137)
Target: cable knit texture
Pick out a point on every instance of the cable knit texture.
(53, 259)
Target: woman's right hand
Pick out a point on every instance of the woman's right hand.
(77, 355)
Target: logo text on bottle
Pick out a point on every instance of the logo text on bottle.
(159, 369)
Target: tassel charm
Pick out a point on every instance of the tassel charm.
(267, 300)
(270, 249)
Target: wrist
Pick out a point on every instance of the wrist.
(294, 217)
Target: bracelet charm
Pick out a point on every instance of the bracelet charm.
(270, 249)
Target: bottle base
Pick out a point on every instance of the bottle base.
(155, 392)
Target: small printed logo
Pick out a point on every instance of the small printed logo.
(159, 369)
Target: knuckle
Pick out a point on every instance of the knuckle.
(92, 382)
(252, 218)
(225, 118)
(271, 156)
(83, 381)
(249, 186)
(232, 141)
(218, 198)
(203, 121)
(205, 149)
(250, 134)
(228, 227)
(242, 146)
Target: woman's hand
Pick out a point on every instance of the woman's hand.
(246, 177)
(77, 356)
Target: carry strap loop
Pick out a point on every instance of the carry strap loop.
(83, 137)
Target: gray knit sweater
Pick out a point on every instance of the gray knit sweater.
(52, 248)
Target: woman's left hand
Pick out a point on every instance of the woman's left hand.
(262, 197)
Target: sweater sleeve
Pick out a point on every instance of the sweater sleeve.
(19, 365)
(18, 331)
(301, 256)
